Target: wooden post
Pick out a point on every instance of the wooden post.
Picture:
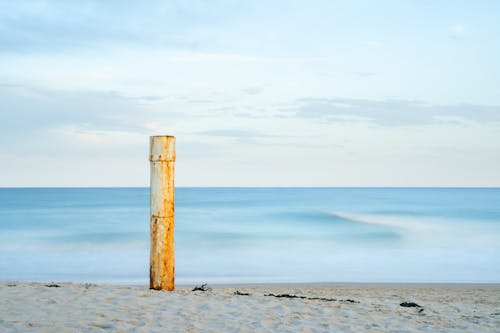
(161, 264)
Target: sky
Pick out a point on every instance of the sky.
(257, 93)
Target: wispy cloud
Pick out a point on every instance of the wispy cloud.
(52, 26)
(390, 112)
(457, 31)
(457, 28)
(371, 43)
(365, 73)
(66, 121)
(252, 90)
(241, 136)
(39, 109)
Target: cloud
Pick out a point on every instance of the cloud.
(457, 28)
(55, 25)
(364, 74)
(457, 31)
(199, 101)
(371, 43)
(390, 112)
(57, 124)
(241, 136)
(37, 109)
(252, 90)
(150, 98)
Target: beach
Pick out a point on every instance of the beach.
(71, 307)
(264, 253)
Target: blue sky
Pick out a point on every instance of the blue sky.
(258, 93)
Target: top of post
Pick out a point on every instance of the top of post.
(162, 148)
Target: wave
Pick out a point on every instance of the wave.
(422, 224)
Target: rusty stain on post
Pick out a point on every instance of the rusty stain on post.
(162, 205)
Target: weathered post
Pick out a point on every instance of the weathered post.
(161, 264)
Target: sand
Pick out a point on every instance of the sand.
(36, 307)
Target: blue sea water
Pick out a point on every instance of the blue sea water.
(252, 235)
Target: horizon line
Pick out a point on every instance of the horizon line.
(257, 187)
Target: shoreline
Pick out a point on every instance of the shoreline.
(344, 307)
(473, 285)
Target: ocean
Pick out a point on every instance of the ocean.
(255, 235)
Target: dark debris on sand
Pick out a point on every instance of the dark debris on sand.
(203, 287)
(410, 305)
(313, 298)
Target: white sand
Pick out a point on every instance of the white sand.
(33, 307)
